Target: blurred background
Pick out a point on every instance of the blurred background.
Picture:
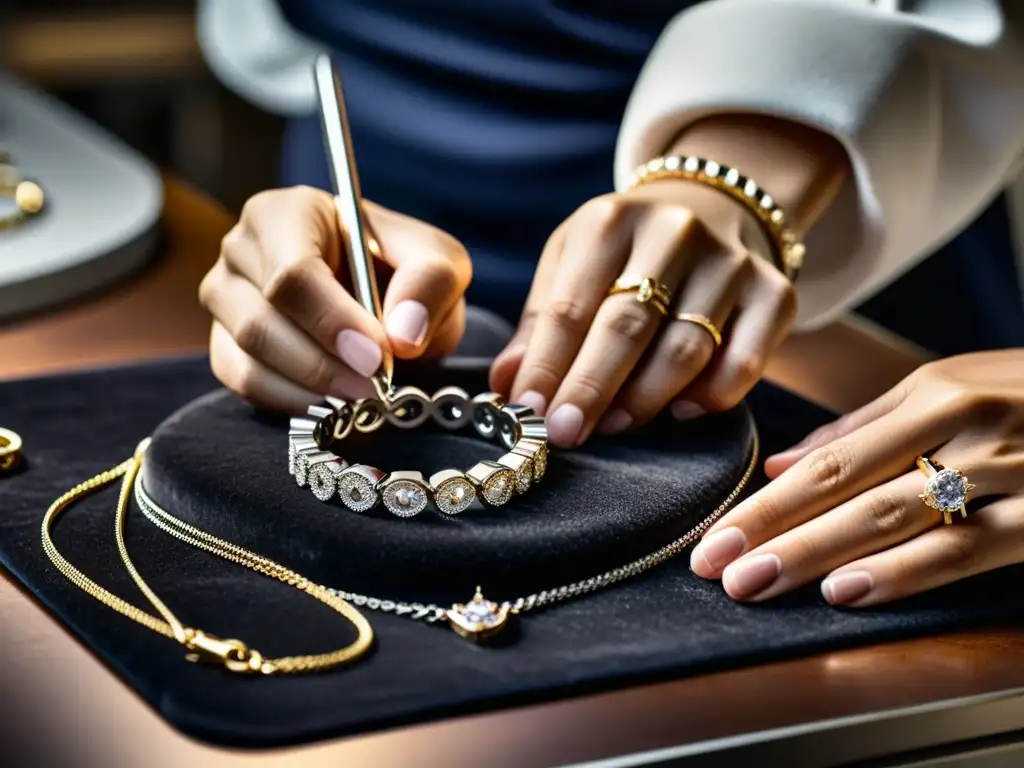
(134, 67)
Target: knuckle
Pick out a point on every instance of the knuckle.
(319, 374)
(232, 241)
(830, 466)
(543, 375)
(586, 391)
(631, 321)
(605, 213)
(208, 289)
(568, 315)
(960, 548)
(722, 396)
(443, 275)
(746, 370)
(886, 512)
(251, 334)
(687, 351)
(287, 280)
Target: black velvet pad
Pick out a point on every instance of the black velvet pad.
(667, 623)
(214, 465)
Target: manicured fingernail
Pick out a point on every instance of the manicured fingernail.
(534, 400)
(564, 425)
(717, 551)
(408, 322)
(359, 352)
(845, 588)
(684, 410)
(749, 577)
(615, 422)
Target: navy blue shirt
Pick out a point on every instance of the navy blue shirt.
(496, 119)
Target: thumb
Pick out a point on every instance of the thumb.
(431, 273)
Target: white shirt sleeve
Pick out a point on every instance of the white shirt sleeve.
(253, 50)
(928, 102)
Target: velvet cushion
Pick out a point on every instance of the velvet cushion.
(218, 466)
(666, 623)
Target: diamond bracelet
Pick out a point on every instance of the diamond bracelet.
(313, 462)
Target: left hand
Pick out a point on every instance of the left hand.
(593, 361)
(845, 502)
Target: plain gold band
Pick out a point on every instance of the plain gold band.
(704, 322)
(926, 465)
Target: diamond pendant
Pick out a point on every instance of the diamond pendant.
(478, 619)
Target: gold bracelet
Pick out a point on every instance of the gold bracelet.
(27, 195)
(787, 252)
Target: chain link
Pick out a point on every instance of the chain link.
(431, 613)
(234, 654)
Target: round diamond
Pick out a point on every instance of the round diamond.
(356, 492)
(301, 467)
(321, 482)
(948, 488)
(523, 476)
(498, 489)
(454, 496)
(404, 498)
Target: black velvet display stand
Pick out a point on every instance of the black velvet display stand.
(220, 465)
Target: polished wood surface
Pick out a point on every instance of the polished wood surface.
(62, 691)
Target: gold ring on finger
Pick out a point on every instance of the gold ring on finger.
(704, 322)
(945, 490)
(10, 450)
(648, 291)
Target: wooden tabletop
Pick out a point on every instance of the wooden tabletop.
(63, 691)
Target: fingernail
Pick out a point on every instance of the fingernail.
(359, 352)
(408, 322)
(844, 588)
(615, 422)
(534, 400)
(749, 577)
(564, 425)
(717, 551)
(684, 410)
(786, 455)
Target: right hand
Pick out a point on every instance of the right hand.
(286, 332)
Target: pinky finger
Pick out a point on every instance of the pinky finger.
(252, 380)
(991, 538)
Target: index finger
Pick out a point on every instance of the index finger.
(825, 478)
(289, 246)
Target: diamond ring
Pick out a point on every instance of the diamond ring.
(946, 489)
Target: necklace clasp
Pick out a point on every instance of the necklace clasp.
(235, 655)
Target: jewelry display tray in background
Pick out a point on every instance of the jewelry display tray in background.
(103, 203)
(666, 624)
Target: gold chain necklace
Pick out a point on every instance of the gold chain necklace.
(235, 655)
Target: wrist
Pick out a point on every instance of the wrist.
(802, 168)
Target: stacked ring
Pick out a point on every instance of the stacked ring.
(313, 462)
(647, 289)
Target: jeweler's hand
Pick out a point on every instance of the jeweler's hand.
(590, 360)
(286, 331)
(845, 502)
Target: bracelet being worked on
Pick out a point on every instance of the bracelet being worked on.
(788, 251)
(313, 462)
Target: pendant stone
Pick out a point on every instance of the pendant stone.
(478, 619)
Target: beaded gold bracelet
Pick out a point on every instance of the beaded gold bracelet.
(788, 251)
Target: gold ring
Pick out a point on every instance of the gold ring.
(647, 289)
(946, 489)
(10, 450)
(704, 322)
